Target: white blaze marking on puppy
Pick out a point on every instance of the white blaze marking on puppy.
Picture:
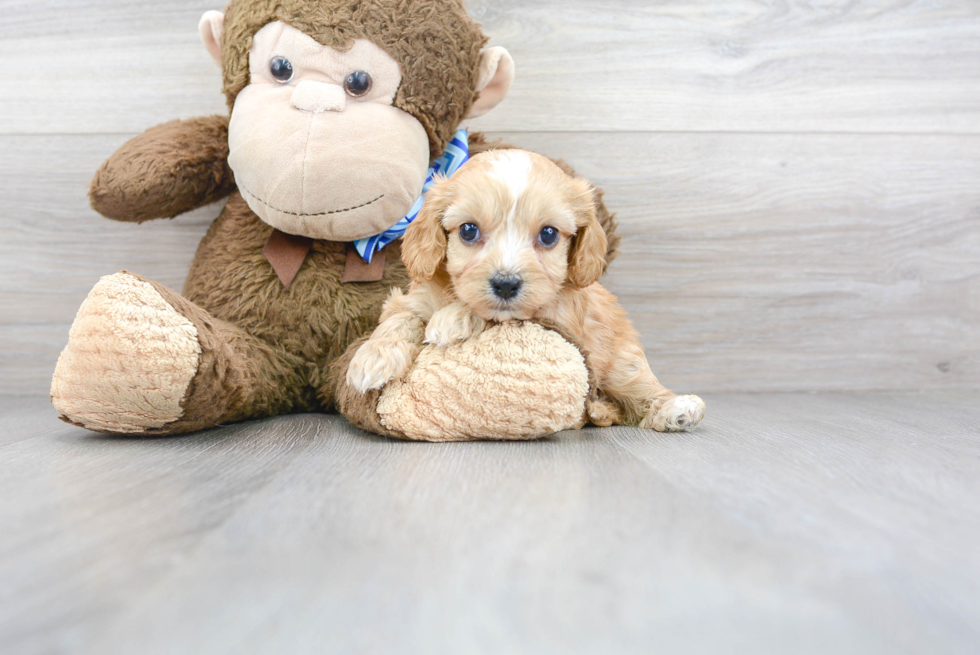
(513, 168)
(512, 241)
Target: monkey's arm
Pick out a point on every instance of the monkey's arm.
(168, 170)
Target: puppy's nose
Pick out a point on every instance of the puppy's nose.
(506, 286)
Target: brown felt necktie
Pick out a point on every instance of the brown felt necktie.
(287, 252)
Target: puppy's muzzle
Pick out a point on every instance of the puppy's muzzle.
(506, 287)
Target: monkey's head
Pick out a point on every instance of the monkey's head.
(339, 106)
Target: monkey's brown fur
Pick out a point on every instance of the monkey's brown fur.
(436, 44)
(267, 350)
(166, 171)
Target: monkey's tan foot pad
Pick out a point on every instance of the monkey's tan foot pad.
(677, 414)
(511, 382)
(129, 360)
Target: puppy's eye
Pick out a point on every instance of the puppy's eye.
(548, 236)
(469, 233)
(281, 69)
(358, 84)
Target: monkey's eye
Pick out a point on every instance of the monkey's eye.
(469, 233)
(548, 236)
(358, 84)
(281, 69)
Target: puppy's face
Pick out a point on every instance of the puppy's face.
(510, 229)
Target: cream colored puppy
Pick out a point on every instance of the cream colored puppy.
(512, 237)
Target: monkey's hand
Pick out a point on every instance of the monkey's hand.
(452, 324)
(168, 170)
(379, 361)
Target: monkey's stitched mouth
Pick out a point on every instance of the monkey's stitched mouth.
(327, 213)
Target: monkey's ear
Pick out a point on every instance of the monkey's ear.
(210, 28)
(496, 76)
(424, 244)
(587, 258)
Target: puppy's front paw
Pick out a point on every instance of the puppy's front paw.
(378, 362)
(452, 324)
(677, 414)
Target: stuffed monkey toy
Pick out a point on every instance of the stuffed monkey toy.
(340, 112)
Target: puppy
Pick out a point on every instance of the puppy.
(512, 237)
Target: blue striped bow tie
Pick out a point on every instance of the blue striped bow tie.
(457, 153)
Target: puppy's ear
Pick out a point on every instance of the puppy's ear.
(587, 256)
(424, 244)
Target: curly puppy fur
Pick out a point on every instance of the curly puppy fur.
(514, 201)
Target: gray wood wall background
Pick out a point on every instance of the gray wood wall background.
(798, 183)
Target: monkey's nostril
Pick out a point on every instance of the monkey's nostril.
(506, 286)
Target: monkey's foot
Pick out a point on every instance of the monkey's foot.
(677, 414)
(129, 360)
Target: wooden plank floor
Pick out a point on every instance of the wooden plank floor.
(834, 523)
